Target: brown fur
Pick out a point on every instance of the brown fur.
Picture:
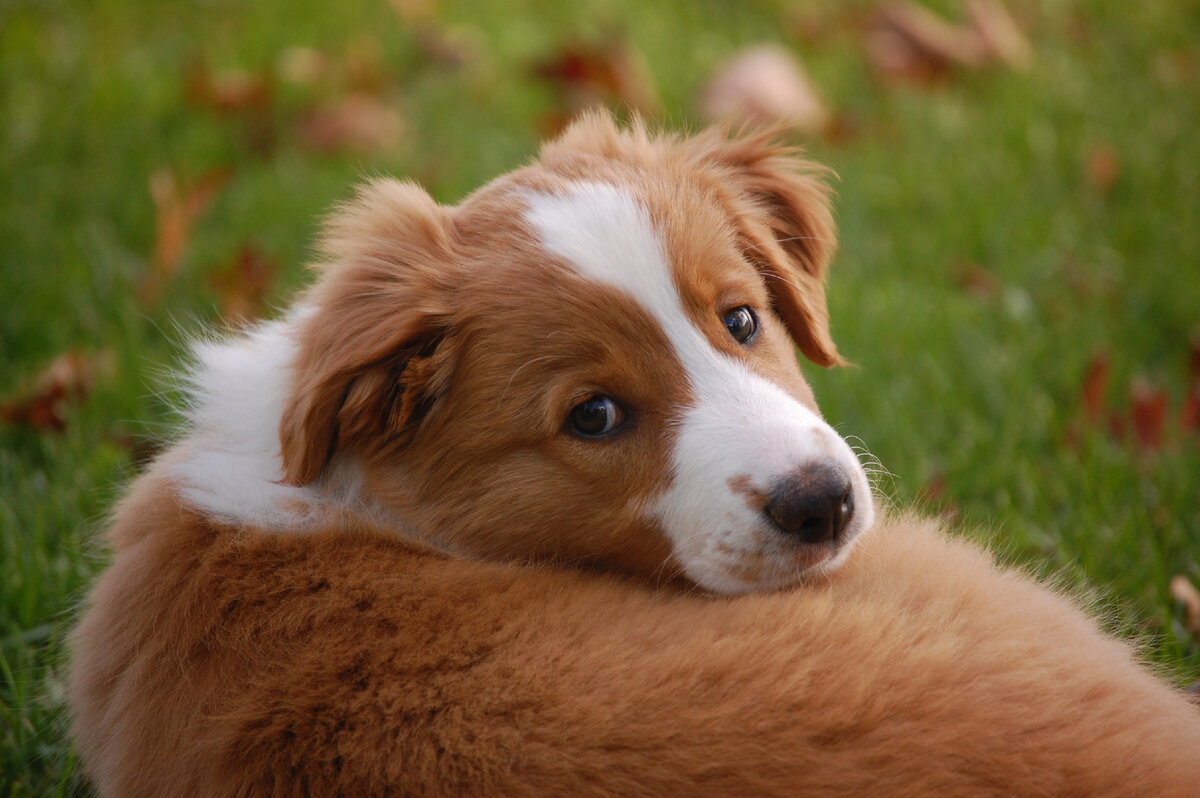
(220, 660)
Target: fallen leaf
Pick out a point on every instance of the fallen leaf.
(177, 208)
(1095, 386)
(611, 72)
(1102, 168)
(977, 281)
(1189, 414)
(366, 68)
(1148, 414)
(935, 488)
(999, 34)
(821, 24)
(908, 41)
(302, 66)
(1186, 594)
(1194, 359)
(414, 12)
(227, 91)
(67, 379)
(357, 121)
(766, 85)
(243, 288)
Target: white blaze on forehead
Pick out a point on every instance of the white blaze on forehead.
(741, 426)
(606, 235)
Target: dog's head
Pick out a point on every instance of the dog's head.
(591, 359)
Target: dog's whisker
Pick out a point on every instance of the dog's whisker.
(758, 245)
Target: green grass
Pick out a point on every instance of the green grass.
(972, 398)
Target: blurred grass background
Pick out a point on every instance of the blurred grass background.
(1018, 281)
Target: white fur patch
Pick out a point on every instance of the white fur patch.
(741, 425)
(230, 465)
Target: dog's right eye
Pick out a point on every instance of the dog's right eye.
(742, 323)
(596, 417)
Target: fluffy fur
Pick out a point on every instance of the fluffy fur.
(382, 561)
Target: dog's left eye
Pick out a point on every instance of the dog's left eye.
(742, 323)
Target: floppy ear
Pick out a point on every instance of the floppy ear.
(373, 350)
(783, 214)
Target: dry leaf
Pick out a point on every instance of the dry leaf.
(228, 90)
(1103, 168)
(244, 287)
(177, 208)
(302, 66)
(766, 85)
(415, 12)
(611, 73)
(1189, 414)
(908, 41)
(1186, 594)
(977, 281)
(68, 378)
(1194, 359)
(358, 121)
(366, 68)
(1095, 386)
(999, 34)
(1148, 414)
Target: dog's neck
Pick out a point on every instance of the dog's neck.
(228, 465)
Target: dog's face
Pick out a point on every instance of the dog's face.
(591, 360)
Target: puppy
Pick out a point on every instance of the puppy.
(458, 523)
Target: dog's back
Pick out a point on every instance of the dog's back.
(347, 662)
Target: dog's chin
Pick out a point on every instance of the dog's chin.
(767, 563)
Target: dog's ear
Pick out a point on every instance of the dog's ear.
(782, 211)
(373, 352)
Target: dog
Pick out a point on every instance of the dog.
(529, 496)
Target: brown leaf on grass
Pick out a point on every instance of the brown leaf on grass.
(177, 207)
(815, 25)
(455, 47)
(239, 94)
(358, 121)
(907, 41)
(977, 281)
(414, 12)
(244, 286)
(367, 71)
(1102, 168)
(766, 85)
(302, 66)
(1148, 414)
(227, 91)
(584, 75)
(1001, 39)
(1095, 386)
(67, 379)
(1194, 359)
(1186, 594)
(1189, 414)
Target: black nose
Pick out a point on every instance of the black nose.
(813, 503)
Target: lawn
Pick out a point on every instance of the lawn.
(1018, 283)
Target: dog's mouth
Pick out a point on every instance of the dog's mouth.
(782, 549)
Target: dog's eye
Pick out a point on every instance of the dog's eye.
(742, 323)
(596, 416)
